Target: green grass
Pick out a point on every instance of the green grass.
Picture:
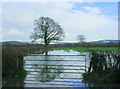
(84, 49)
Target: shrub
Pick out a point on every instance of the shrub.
(104, 68)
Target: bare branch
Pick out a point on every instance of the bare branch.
(47, 29)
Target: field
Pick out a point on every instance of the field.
(85, 49)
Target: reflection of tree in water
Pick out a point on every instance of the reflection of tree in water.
(47, 71)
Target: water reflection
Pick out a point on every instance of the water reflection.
(13, 82)
(55, 70)
(46, 71)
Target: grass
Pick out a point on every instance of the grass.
(85, 49)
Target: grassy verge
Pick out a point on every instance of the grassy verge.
(84, 49)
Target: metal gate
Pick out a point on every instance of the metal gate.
(54, 70)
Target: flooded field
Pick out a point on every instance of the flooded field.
(60, 68)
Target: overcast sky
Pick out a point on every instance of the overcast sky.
(94, 20)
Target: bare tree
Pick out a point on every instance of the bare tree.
(81, 38)
(47, 30)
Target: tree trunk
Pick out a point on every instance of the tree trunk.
(46, 50)
(89, 69)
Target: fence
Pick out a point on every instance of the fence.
(54, 70)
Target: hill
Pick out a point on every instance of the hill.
(14, 43)
(105, 41)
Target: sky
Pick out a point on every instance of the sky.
(94, 20)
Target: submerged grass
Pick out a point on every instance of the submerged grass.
(85, 49)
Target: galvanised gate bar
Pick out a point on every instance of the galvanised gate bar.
(54, 70)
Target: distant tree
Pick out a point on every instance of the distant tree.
(47, 30)
(81, 38)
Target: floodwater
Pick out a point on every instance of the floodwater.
(58, 69)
